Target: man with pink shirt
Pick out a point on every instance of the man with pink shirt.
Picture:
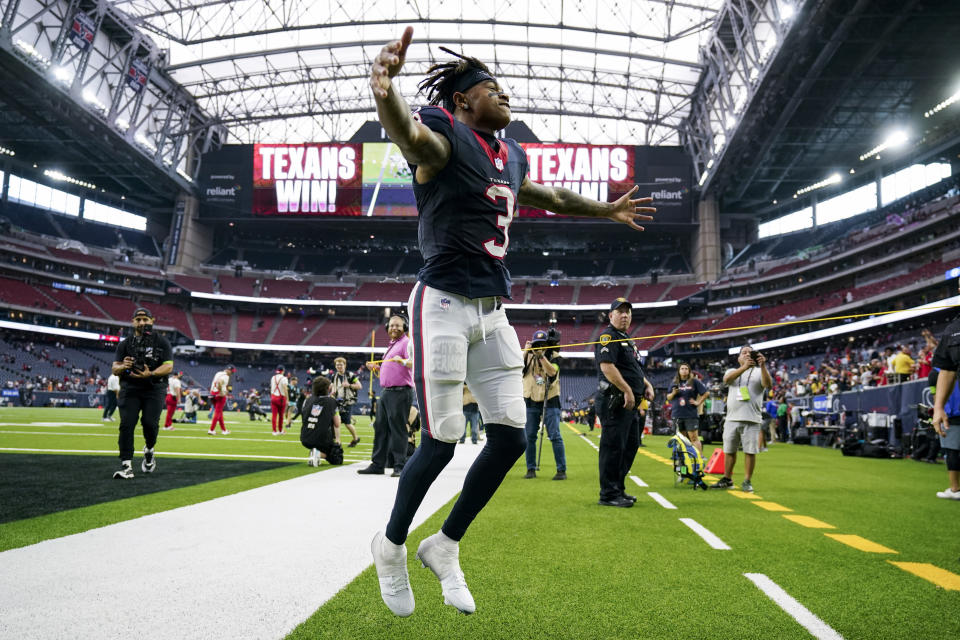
(396, 382)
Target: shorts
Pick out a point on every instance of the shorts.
(346, 415)
(952, 439)
(737, 433)
(458, 339)
(687, 424)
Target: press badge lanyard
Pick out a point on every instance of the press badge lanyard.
(745, 389)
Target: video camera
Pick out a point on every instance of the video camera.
(546, 340)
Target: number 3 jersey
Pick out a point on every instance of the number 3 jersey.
(467, 208)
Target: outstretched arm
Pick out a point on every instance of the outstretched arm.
(570, 203)
(419, 145)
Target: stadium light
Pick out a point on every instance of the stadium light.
(62, 74)
(787, 11)
(122, 124)
(835, 178)
(896, 139)
(943, 105)
(56, 175)
(7, 152)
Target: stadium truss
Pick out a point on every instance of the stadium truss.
(278, 70)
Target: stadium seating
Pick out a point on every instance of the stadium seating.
(202, 284)
(331, 292)
(648, 292)
(237, 286)
(545, 294)
(384, 291)
(294, 327)
(284, 289)
(212, 326)
(336, 331)
(683, 291)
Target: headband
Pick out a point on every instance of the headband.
(470, 78)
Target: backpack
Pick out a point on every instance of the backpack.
(687, 461)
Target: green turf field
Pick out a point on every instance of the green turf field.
(544, 561)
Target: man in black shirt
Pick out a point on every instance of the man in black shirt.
(320, 431)
(622, 385)
(143, 362)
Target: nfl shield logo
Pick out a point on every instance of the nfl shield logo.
(316, 409)
(498, 163)
(444, 303)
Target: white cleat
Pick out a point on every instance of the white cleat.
(441, 555)
(391, 563)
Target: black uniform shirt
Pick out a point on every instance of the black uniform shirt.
(466, 209)
(317, 429)
(155, 351)
(947, 355)
(625, 356)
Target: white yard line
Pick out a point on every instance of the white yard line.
(663, 502)
(640, 483)
(250, 565)
(817, 627)
(710, 537)
(167, 437)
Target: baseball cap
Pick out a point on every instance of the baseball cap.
(142, 311)
(619, 302)
(230, 368)
(539, 336)
(280, 368)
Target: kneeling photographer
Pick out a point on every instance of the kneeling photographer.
(143, 362)
(541, 392)
(320, 432)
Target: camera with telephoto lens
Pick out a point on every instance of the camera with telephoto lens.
(142, 344)
(753, 355)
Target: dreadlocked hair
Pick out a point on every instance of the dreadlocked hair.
(438, 86)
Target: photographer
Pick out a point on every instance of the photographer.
(541, 392)
(622, 383)
(142, 363)
(742, 425)
(686, 395)
(320, 432)
(345, 387)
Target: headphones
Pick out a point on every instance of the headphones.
(406, 323)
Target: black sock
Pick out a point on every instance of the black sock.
(420, 471)
(504, 446)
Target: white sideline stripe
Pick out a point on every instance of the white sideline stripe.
(663, 502)
(254, 564)
(178, 454)
(817, 627)
(709, 536)
(640, 483)
(166, 436)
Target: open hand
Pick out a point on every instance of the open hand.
(630, 211)
(388, 63)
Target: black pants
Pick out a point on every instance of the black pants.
(110, 404)
(143, 405)
(390, 428)
(619, 439)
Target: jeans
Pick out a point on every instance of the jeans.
(552, 422)
(471, 424)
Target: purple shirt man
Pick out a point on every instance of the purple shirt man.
(394, 371)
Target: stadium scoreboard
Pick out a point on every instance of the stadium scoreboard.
(289, 181)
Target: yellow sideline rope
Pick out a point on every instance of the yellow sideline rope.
(782, 323)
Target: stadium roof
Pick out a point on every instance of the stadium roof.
(604, 71)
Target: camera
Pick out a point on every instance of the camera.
(545, 340)
(924, 412)
(142, 348)
(753, 356)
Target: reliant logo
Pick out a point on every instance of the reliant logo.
(221, 192)
(667, 195)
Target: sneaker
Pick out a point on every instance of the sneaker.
(354, 442)
(226, 432)
(125, 472)
(391, 563)
(441, 555)
(764, 449)
(149, 465)
(396, 472)
(561, 475)
(722, 483)
(947, 493)
(170, 428)
(274, 433)
(746, 487)
(212, 432)
(530, 474)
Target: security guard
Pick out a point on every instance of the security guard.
(622, 385)
(143, 363)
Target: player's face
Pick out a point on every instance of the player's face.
(490, 104)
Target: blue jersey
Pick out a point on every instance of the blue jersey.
(467, 208)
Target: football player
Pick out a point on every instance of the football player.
(468, 185)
